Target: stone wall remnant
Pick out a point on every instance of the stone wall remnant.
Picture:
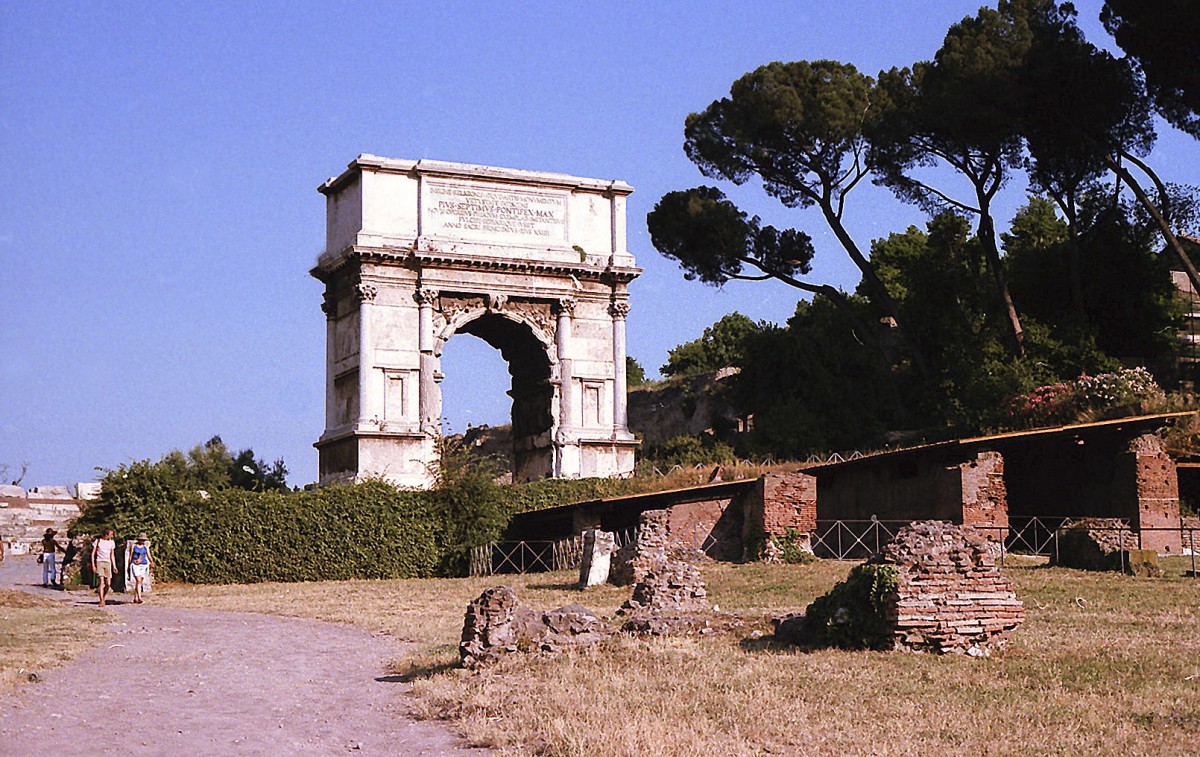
(652, 548)
(1104, 544)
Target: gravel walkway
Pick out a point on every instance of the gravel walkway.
(175, 681)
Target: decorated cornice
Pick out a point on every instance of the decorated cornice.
(436, 258)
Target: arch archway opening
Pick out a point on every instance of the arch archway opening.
(531, 390)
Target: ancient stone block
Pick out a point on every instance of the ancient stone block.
(598, 547)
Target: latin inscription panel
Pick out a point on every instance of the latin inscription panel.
(478, 211)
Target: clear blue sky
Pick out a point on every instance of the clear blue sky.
(161, 215)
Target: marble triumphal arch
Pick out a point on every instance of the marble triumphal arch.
(533, 263)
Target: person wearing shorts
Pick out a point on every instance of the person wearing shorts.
(103, 562)
(139, 565)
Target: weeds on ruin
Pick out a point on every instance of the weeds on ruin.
(851, 615)
(792, 548)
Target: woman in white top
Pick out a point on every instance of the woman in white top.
(103, 562)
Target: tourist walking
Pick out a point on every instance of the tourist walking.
(49, 553)
(139, 564)
(69, 555)
(103, 562)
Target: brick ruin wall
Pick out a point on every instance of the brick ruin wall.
(912, 488)
(785, 500)
(951, 595)
(713, 526)
(984, 494)
(779, 502)
(1151, 474)
(724, 528)
(970, 491)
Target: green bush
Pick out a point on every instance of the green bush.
(368, 530)
(691, 450)
(853, 614)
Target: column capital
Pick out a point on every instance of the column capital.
(618, 310)
(565, 306)
(426, 296)
(329, 306)
(365, 292)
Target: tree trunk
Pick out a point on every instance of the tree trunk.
(987, 236)
(1172, 241)
(879, 292)
(1081, 319)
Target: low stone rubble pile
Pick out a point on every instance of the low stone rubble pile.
(1094, 543)
(668, 599)
(497, 624)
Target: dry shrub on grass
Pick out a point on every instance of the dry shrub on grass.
(37, 633)
(1105, 664)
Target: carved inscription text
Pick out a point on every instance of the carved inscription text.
(475, 210)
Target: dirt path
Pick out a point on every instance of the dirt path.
(174, 681)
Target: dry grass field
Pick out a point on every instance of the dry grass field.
(38, 633)
(1104, 664)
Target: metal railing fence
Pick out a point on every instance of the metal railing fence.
(832, 539)
(857, 539)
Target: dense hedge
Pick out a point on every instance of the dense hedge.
(365, 531)
(368, 530)
(551, 492)
(237, 536)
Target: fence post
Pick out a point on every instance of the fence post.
(1192, 544)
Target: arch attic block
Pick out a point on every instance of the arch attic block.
(535, 264)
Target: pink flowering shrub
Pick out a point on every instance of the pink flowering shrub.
(1044, 406)
(1066, 402)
